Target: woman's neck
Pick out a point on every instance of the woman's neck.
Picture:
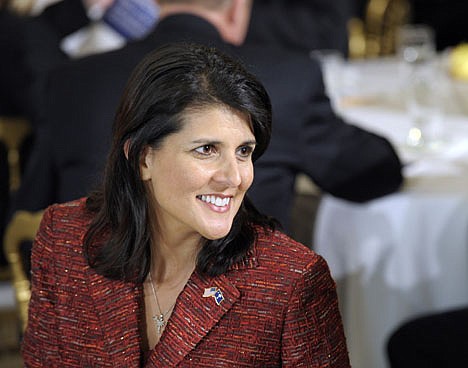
(173, 263)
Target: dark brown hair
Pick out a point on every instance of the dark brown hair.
(166, 84)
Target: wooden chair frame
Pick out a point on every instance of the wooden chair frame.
(374, 35)
(22, 227)
(13, 131)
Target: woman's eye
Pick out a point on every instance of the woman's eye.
(206, 149)
(245, 151)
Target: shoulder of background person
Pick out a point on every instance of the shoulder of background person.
(99, 74)
(65, 17)
(283, 71)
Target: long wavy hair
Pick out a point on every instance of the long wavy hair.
(167, 83)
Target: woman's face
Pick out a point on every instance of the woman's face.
(200, 174)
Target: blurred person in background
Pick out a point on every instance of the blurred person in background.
(52, 33)
(308, 136)
(33, 44)
(30, 47)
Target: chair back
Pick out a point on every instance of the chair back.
(382, 20)
(22, 228)
(13, 131)
(23, 7)
(374, 34)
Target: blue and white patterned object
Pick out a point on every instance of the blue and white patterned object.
(132, 19)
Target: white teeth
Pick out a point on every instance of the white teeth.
(217, 201)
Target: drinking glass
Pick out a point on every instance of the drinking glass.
(418, 73)
(415, 43)
(423, 107)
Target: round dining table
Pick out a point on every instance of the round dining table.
(406, 254)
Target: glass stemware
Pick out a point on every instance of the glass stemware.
(418, 72)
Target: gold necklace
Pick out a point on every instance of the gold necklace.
(159, 319)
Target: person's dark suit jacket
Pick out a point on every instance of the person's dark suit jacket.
(29, 47)
(301, 24)
(307, 136)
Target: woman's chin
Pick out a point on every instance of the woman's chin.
(217, 232)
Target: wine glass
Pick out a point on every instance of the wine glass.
(415, 43)
(418, 72)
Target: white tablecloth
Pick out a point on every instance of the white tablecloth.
(393, 259)
(407, 253)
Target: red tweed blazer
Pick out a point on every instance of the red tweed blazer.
(279, 309)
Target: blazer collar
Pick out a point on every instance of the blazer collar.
(201, 304)
(197, 311)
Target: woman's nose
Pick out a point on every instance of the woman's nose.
(229, 172)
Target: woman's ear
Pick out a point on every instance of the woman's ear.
(238, 17)
(146, 164)
(126, 148)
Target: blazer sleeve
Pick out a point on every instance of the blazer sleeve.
(313, 334)
(40, 345)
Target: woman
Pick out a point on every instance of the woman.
(169, 264)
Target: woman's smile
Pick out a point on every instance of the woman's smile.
(216, 202)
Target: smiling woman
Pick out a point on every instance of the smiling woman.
(169, 264)
(207, 169)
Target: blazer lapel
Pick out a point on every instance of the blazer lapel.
(118, 306)
(200, 306)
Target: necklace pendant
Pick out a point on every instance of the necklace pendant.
(160, 323)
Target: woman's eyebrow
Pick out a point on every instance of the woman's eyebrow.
(212, 141)
(206, 140)
(250, 142)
